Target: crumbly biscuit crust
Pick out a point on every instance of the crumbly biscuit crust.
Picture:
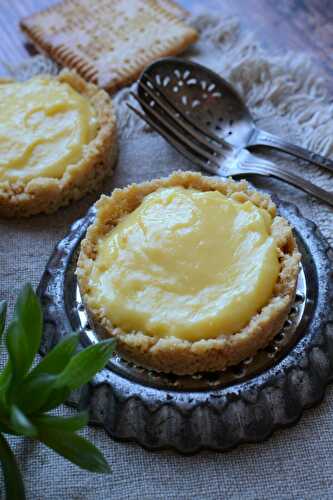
(45, 194)
(182, 356)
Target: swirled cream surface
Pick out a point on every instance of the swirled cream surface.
(44, 127)
(186, 263)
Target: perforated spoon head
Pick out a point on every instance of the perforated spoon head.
(209, 100)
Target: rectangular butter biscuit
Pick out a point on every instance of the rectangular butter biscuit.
(109, 42)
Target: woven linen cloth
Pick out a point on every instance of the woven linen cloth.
(286, 97)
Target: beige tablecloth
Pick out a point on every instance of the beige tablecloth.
(286, 97)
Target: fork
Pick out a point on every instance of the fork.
(218, 158)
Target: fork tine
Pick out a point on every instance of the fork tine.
(243, 163)
(175, 130)
(177, 144)
(172, 111)
(201, 129)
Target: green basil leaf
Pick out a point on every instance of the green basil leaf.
(56, 398)
(3, 312)
(20, 423)
(5, 428)
(76, 449)
(28, 313)
(57, 359)
(5, 421)
(12, 476)
(5, 378)
(84, 365)
(33, 392)
(6, 371)
(18, 350)
(68, 424)
(3, 413)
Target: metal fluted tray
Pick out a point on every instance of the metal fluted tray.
(217, 411)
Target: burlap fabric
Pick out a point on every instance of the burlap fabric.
(286, 97)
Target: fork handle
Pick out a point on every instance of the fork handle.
(294, 180)
(262, 138)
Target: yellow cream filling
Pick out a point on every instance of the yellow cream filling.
(44, 127)
(188, 264)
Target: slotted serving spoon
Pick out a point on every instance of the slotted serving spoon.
(218, 157)
(212, 103)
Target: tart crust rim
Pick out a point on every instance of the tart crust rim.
(170, 354)
(47, 194)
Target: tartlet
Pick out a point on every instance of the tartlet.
(22, 197)
(169, 353)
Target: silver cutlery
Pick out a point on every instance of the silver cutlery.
(191, 139)
(218, 108)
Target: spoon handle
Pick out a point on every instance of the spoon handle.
(263, 138)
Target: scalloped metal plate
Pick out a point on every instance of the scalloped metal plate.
(209, 411)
